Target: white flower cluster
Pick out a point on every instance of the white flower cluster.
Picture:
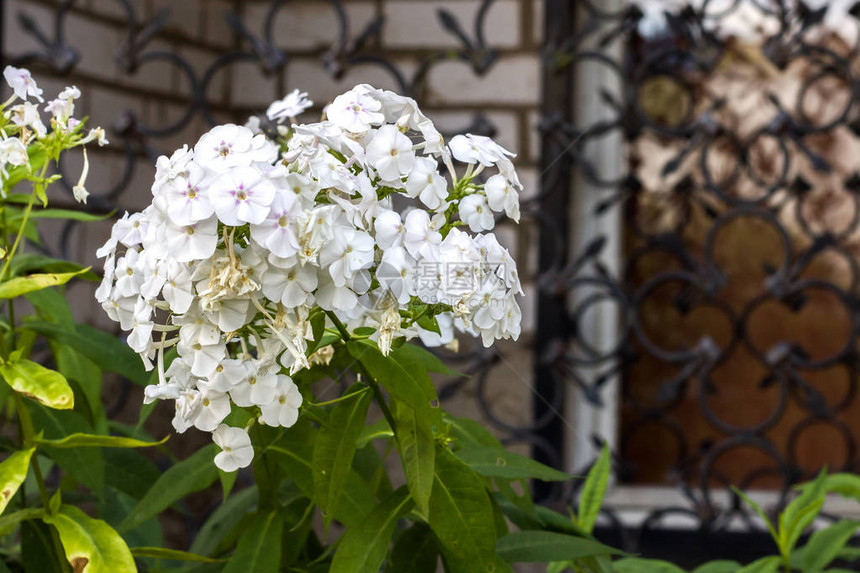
(247, 238)
(23, 125)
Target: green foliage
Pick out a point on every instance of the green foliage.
(91, 545)
(334, 449)
(13, 471)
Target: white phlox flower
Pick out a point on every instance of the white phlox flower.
(293, 104)
(249, 242)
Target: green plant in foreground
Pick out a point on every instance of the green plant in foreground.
(823, 547)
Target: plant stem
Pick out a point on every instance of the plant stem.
(341, 399)
(365, 375)
(344, 333)
(28, 435)
(18, 236)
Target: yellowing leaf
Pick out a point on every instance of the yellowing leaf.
(13, 471)
(23, 285)
(46, 386)
(91, 545)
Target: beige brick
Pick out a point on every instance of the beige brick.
(309, 75)
(507, 235)
(114, 9)
(216, 30)
(218, 90)
(251, 87)
(107, 105)
(164, 114)
(530, 178)
(16, 42)
(537, 8)
(528, 302)
(306, 25)
(96, 44)
(534, 136)
(417, 25)
(511, 80)
(158, 74)
(506, 125)
(186, 16)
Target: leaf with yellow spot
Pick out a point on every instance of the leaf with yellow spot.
(13, 472)
(91, 545)
(42, 384)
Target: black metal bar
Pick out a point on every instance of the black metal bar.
(556, 110)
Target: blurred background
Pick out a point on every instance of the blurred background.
(689, 244)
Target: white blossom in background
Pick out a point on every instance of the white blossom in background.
(23, 127)
(290, 107)
(248, 238)
(750, 21)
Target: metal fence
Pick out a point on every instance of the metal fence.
(650, 333)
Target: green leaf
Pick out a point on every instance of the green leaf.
(461, 516)
(593, 490)
(7, 521)
(36, 263)
(188, 476)
(116, 506)
(228, 480)
(85, 465)
(171, 554)
(801, 512)
(52, 305)
(825, 544)
(759, 511)
(545, 546)
(86, 380)
(69, 214)
(541, 518)
(494, 462)
(105, 350)
(13, 471)
(223, 519)
(91, 545)
(400, 374)
(429, 323)
(634, 565)
(259, 547)
(846, 485)
(48, 387)
(129, 471)
(469, 432)
(362, 548)
(415, 551)
(719, 567)
(379, 429)
(412, 402)
(38, 549)
(95, 441)
(334, 450)
(414, 439)
(763, 565)
(294, 450)
(22, 285)
(429, 361)
(364, 331)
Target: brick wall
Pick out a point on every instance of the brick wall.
(158, 93)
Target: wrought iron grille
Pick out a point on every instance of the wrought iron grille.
(723, 211)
